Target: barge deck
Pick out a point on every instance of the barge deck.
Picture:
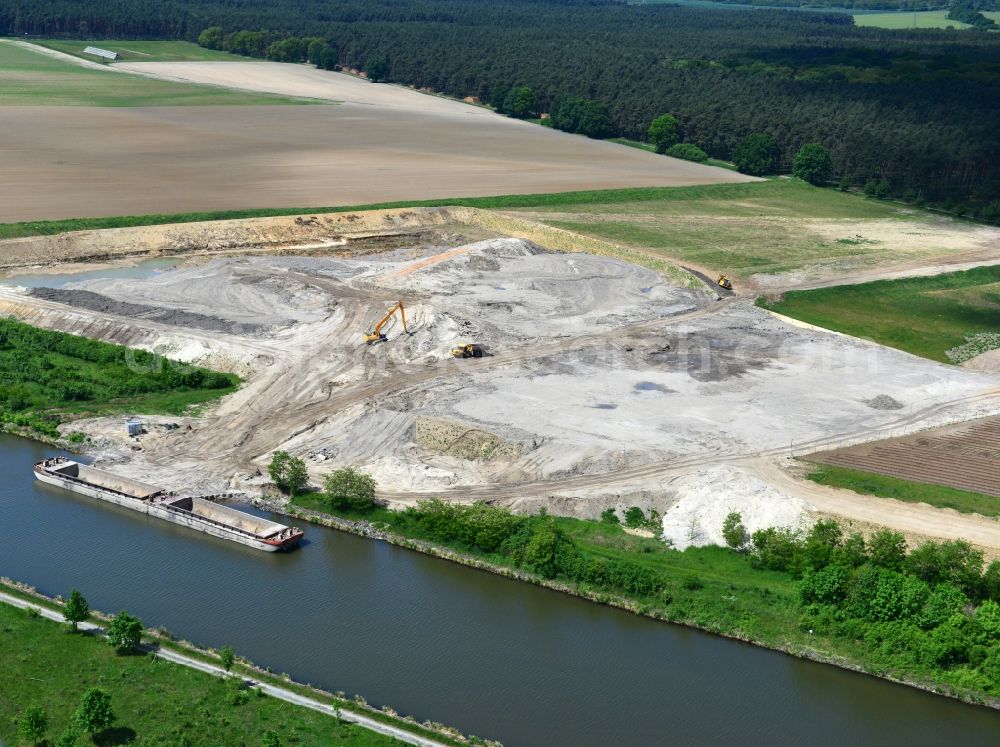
(191, 511)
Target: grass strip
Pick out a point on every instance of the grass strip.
(558, 199)
(883, 486)
(926, 316)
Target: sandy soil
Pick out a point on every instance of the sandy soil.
(606, 385)
(387, 143)
(307, 82)
(988, 361)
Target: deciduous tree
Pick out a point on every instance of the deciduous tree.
(756, 154)
(227, 657)
(77, 610)
(812, 164)
(125, 632)
(94, 713)
(663, 132)
(33, 723)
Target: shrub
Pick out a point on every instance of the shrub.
(734, 532)
(348, 489)
(825, 586)
(688, 152)
(777, 549)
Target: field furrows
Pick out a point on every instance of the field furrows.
(967, 457)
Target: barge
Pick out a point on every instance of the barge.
(189, 511)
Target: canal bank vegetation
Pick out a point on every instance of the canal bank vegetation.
(50, 668)
(929, 617)
(48, 378)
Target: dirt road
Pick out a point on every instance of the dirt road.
(910, 518)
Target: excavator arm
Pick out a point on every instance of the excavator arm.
(376, 334)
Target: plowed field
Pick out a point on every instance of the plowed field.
(966, 457)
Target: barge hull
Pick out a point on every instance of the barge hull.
(279, 537)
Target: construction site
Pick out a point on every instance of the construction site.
(468, 355)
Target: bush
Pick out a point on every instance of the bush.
(376, 69)
(349, 490)
(734, 532)
(609, 516)
(879, 189)
(825, 586)
(777, 549)
(688, 152)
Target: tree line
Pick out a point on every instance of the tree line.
(914, 109)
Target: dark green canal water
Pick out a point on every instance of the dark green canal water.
(488, 655)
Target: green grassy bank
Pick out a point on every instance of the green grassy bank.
(864, 604)
(47, 378)
(883, 486)
(155, 702)
(780, 198)
(925, 316)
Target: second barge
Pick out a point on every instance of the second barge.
(191, 511)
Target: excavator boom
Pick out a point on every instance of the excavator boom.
(376, 334)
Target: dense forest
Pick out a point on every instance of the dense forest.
(917, 109)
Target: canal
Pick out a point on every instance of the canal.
(485, 654)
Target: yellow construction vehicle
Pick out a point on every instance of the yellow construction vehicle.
(376, 334)
(725, 282)
(468, 350)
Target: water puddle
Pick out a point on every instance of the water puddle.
(145, 269)
(650, 386)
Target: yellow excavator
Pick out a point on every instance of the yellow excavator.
(468, 350)
(376, 335)
(725, 282)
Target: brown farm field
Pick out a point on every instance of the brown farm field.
(964, 456)
(378, 143)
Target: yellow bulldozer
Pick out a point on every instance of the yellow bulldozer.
(376, 335)
(725, 282)
(468, 350)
